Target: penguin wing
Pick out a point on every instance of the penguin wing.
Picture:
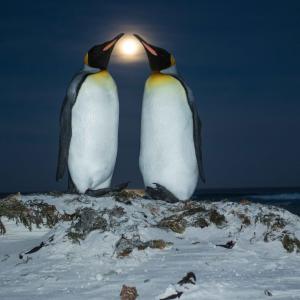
(66, 122)
(197, 126)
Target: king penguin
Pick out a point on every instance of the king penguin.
(89, 121)
(170, 147)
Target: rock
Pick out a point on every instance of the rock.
(128, 293)
(267, 292)
(190, 277)
(125, 246)
(88, 220)
(228, 245)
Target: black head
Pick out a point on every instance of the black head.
(159, 59)
(99, 55)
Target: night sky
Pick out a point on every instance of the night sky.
(241, 58)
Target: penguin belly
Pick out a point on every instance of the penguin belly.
(167, 152)
(94, 141)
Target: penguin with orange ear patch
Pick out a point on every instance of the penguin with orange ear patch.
(170, 149)
(89, 123)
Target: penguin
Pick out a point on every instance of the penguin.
(89, 121)
(170, 144)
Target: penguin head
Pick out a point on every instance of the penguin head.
(159, 59)
(98, 56)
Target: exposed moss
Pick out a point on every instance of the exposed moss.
(272, 221)
(192, 211)
(266, 219)
(216, 218)
(290, 244)
(200, 222)
(29, 213)
(244, 219)
(125, 196)
(174, 223)
(278, 223)
(158, 244)
(128, 293)
(75, 237)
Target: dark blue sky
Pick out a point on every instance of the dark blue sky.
(241, 58)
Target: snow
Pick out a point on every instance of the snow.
(91, 269)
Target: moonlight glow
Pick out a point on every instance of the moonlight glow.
(128, 48)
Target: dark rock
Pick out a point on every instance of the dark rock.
(174, 296)
(88, 220)
(267, 292)
(190, 277)
(125, 246)
(228, 245)
(128, 293)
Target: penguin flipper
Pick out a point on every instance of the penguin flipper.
(65, 133)
(105, 191)
(71, 186)
(161, 193)
(197, 126)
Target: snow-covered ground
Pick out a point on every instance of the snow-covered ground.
(95, 268)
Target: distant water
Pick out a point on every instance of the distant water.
(288, 198)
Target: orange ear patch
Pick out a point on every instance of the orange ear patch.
(151, 50)
(86, 59)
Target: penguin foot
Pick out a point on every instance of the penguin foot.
(106, 191)
(160, 193)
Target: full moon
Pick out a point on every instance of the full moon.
(129, 48)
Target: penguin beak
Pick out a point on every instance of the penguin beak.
(149, 48)
(110, 44)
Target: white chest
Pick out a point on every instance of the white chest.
(167, 153)
(95, 118)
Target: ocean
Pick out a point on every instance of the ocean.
(288, 198)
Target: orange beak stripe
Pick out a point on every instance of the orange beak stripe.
(151, 50)
(109, 45)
